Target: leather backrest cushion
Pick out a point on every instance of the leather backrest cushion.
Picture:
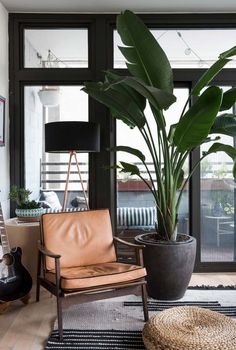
(81, 238)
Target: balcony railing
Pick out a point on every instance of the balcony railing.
(53, 174)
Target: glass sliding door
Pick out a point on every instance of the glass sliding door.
(135, 204)
(46, 172)
(218, 198)
(212, 192)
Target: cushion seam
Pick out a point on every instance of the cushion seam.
(110, 274)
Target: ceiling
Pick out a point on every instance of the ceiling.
(113, 6)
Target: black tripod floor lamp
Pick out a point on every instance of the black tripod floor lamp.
(72, 137)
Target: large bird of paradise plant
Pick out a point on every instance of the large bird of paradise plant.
(151, 80)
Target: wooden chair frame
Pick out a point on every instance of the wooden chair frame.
(136, 287)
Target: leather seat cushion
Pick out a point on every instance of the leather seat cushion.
(97, 275)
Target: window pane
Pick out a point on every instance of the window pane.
(56, 48)
(47, 171)
(187, 48)
(217, 204)
(135, 204)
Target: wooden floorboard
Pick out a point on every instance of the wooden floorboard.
(211, 279)
(28, 327)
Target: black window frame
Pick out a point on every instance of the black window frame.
(102, 183)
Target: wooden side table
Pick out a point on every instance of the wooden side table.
(25, 235)
(125, 253)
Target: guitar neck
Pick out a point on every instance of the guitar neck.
(3, 234)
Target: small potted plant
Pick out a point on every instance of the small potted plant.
(26, 210)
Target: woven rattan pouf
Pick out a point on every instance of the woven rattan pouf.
(189, 328)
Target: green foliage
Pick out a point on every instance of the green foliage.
(229, 98)
(221, 171)
(21, 197)
(225, 198)
(229, 209)
(206, 167)
(151, 81)
(196, 123)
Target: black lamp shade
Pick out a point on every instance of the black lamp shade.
(69, 136)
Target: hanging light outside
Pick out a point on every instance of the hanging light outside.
(50, 96)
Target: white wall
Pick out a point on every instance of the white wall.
(4, 151)
(33, 140)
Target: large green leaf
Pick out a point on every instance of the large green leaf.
(121, 104)
(208, 76)
(124, 119)
(213, 70)
(229, 99)
(195, 125)
(114, 81)
(130, 168)
(229, 53)
(129, 150)
(160, 99)
(220, 147)
(146, 59)
(171, 133)
(224, 124)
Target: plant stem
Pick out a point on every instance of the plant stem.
(156, 164)
(187, 179)
(185, 106)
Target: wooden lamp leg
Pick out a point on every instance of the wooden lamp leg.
(73, 153)
(81, 180)
(67, 181)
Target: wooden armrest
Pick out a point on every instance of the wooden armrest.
(138, 249)
(135, 246)
(47, 252)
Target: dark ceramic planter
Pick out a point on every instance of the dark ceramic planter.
(169, 266)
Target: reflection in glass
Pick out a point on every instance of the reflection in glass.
(217, 204)
(187, 48)
(56, 48)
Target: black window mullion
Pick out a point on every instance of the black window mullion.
(101, 181)
(54, 75)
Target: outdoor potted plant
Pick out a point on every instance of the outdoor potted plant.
(26, 210)
(169, 257)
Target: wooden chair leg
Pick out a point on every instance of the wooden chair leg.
(38, 277)
(38, 290)
(4, 307)
(25, 300)
(59, 317)
(145, 305)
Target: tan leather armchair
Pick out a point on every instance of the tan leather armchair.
(77, 260)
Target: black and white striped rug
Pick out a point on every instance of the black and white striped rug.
(96, 340)
(207, 287)
(118, 325)
(162, 305)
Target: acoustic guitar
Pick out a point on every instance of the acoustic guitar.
(15, 280)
